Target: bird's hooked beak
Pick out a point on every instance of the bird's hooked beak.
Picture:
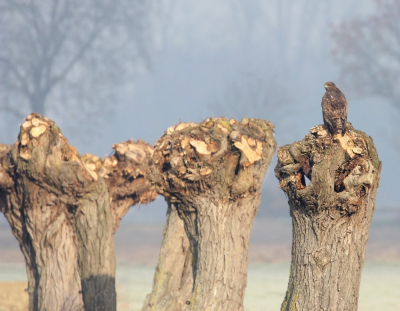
(326, 86)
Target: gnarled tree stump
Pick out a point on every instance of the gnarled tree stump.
(213, 172)
(58, 207)
(331, 216)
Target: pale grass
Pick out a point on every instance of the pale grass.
(380, 286)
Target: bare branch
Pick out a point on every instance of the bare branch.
(14, 111)
(80, 52)
(48, 44)
(17, 74)
(368, 51)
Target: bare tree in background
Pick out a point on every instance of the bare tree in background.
(292, 29)
(253, 94)
(69, 57)
(295, 39)
(368, 51)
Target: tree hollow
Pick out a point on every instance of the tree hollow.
(331, 216)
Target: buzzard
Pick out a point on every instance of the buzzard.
(334, 109)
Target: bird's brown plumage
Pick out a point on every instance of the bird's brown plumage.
(334, 109)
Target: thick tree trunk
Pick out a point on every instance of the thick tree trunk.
(331, 216)
(47, 241)
(173, 280)
(96, 256)
(58, 206)
(213, 173)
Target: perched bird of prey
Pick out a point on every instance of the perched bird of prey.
(334, 109)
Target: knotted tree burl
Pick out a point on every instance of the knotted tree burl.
(213, 172)
(331, 216)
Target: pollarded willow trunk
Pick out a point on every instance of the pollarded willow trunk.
(96, 256)
(331, 216)
(213, 173)
(59, 211)
(58, 207)
(173, 280)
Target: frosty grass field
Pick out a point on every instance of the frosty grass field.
(380, 285)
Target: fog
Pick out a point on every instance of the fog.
(263, 59)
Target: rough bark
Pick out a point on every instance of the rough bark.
(58, 207)
(213, 172)
(96, 256)
(331, 216)
(173, 280)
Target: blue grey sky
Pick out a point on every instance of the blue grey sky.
(264, 59)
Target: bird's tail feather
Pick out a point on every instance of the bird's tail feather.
(340, 126)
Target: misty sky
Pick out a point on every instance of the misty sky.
(264, 59)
